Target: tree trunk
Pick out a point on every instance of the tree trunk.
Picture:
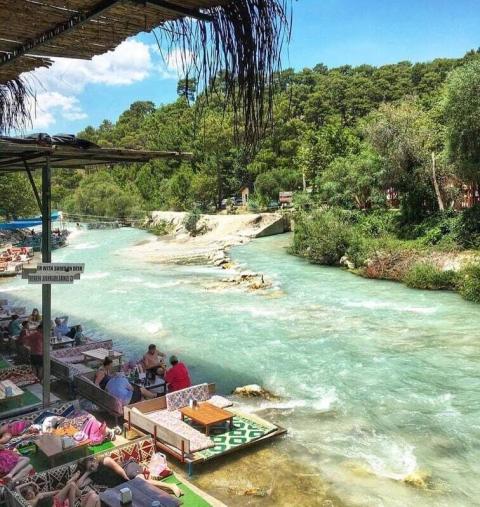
(435, 183)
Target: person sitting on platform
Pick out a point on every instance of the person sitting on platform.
(177, 377)
(35, 316)
(120, 387)
(15, 326)
(154, 361)
(77, 335)
(104, 373)
(62, 328)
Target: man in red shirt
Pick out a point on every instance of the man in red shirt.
(177, 377)
(34, 341)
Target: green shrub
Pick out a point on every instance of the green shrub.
(426, 275)
(191, 222)
(323, 237)
(378, 223)
(468, 234)
(468, 284)
(360, 249)
(161, 228)
(439, 229)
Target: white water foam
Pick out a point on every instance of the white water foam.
(86, 246)
(131, 279)
(323, 403)
(385, 457)
(380, 305)
(153, 327)
(152, 285)
(95, 276)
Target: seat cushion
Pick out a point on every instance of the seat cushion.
(220, 401)
(179, 399)
(198, 441)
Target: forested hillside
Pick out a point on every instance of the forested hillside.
(327, 129)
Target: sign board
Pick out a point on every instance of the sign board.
(56, 267)
(58, 272)
(50, 278)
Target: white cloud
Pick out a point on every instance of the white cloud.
(51, 105)
(57, 88)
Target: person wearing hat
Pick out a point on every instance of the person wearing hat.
(177, 377)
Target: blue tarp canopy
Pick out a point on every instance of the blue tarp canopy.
(26, 223)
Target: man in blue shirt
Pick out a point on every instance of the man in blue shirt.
(61, 327)
(120, 387)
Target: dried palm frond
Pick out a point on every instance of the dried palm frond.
(14, 110)
(237, 53)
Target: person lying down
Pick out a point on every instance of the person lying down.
(64, 497)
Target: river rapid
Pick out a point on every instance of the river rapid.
(378, 384)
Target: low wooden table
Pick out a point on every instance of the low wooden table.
(207, 415)
(101, 354)
(16, 391)
(143, 494)
(51, 446)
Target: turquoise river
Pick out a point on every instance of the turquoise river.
(378, 385)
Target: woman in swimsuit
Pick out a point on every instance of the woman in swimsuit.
(104, 373)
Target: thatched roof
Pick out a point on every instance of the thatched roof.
(243, 39)
(33, 30)
(17, 156)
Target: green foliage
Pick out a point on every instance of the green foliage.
(161, 228)
(268, 185)
(469, 282)
(426, 275)
(177, 191)
(17, 198)
(468, 234)
(353, 181)
(191, 222)
(461, 110)
(348, 133)
(403, 134)
(98, 194)
(378, 224)
(323, 237)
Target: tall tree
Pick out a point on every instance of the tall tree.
(462, 118)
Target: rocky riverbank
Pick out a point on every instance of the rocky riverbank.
(218, 234)
(11, 237)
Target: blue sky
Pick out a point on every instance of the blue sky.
(74, 94)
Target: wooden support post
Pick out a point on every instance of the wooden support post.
(46, 287)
